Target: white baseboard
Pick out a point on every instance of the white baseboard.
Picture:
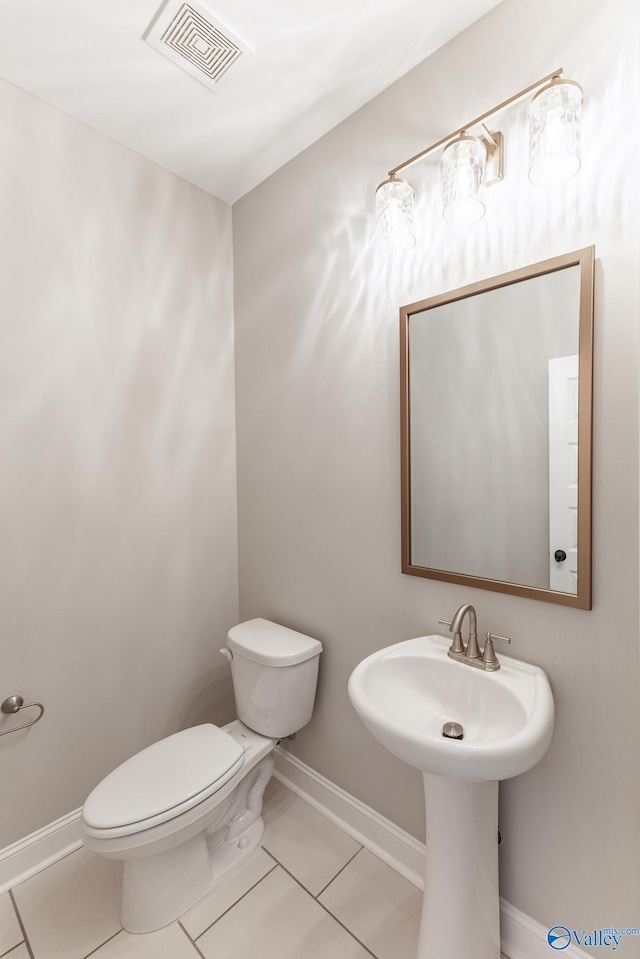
(386, 840)
(521, 936)
(525, 938)
(42, 848)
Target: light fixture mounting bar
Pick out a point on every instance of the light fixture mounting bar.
(477, 122)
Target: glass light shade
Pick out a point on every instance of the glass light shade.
(464, 164)
(554, 133)
(395, 200)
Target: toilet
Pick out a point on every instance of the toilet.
(186, 811)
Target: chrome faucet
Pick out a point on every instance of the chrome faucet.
(471, 653)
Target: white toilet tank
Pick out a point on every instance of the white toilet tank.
(274, 671)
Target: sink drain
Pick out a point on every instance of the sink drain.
(452, 731)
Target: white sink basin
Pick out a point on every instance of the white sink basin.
(406, 692)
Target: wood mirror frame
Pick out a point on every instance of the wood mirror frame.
(581, 598)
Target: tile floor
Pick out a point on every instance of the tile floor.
(310, 892)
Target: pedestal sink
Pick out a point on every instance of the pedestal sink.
(404, 695)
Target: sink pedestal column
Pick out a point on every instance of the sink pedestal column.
(461, 909)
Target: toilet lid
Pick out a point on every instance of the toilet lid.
(270, 644)
(193, 763)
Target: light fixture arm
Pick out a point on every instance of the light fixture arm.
(489, 137)
(479, 121)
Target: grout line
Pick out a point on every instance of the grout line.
(19, 917)
(200, 934)
(324, 888)
(7, 955)
(346, 929)
(21, 924)
(192, 941)
(93, 951)
(322, 906)
(11, 949)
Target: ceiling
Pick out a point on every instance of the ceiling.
(314, 62)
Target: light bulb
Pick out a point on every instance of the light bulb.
(395, 200)
(464, 164)
(554, 133)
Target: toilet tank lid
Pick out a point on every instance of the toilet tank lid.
(270, 644)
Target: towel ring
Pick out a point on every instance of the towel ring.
(15, 703)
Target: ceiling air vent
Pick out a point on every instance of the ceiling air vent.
(189, 36)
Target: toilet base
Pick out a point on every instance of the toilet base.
(157, 890)
(155, 894)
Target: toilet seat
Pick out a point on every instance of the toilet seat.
(162, 782)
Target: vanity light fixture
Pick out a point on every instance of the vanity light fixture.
(473, 158)
(395, 200)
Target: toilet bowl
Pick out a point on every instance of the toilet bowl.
(185, 812)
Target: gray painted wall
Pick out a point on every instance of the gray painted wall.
(118, 562)
(318, 433)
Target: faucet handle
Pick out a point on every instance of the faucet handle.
(445, 622)
(489, 658)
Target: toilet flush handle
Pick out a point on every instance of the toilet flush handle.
(227, 653)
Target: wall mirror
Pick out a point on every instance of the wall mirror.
(496, 408)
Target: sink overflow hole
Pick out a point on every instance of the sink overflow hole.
(452, 731)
